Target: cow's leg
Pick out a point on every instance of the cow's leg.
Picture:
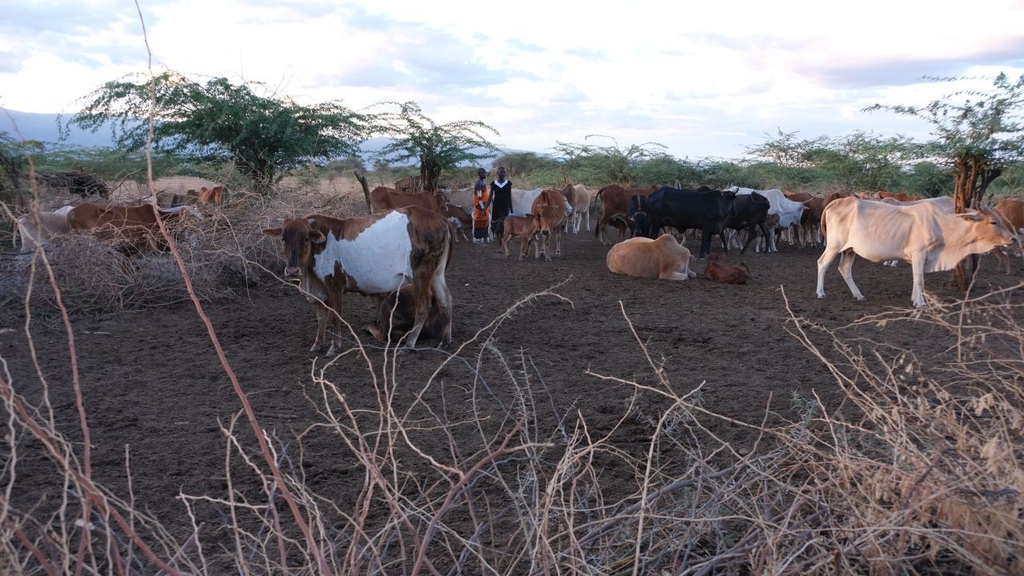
(846, 269)
(321, 327)
(917, 295)
(332, 323)
(824, 261)
(441, 293)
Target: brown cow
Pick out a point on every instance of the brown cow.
(206, 195)
(664, 258)
(459, 219)
(614, 204)
(136, 226)
(550, 208)
(384, 198)
(397, 315)
(1012, 212)
(718, 271)
(375, 254)
(524, 228)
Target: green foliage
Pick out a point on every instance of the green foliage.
(264, 136)
(611, 164)
(439, 148)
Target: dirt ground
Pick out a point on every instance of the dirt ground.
(157, 396)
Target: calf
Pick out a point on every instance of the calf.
(718, 271)
(397, 316)
(135, 227)
(523, 227)
(459, 218)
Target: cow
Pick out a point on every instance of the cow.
(383, 198)
(459, 218)
(923, 233)
(204, 196)
(750, 213)
(136, 226)
(522, 200)
(789, 211)
(551, 210)
(1012, 212)
(396, 315)
(723, 273)
(523, 227)
(704, 208)
(37, 227)
(614, 201)
(578, 197)
(664, 258)
(374, 254)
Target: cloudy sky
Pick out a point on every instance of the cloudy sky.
(705, 79)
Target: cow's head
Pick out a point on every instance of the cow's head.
(990, 227)
(298, 237)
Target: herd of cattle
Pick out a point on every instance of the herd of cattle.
(400, 251)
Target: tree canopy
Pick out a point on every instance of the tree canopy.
(265, 136)
(978, 133)
(439, 148)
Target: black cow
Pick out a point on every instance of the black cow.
(750, 213)
(703, 208)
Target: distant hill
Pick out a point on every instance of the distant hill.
(44, 128)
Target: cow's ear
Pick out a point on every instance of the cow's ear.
(317, 237)
(272, 232)
(970, 215)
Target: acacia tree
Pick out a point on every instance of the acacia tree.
(439, 148)
(979, 134)
(612, 163)
(265, 136)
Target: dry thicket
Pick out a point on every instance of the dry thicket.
(927, 478)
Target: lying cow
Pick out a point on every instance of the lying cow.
(923, 233)
(664, 258)
(374, 254)
(397, 316)
(718, 271)
(38, 227)
(523, 227)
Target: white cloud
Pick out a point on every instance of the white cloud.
(708, 82)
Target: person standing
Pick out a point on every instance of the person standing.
(501, 201)
(481, 208)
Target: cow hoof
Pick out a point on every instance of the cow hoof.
(821, 296)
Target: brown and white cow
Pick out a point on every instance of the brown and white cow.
(384, 198)
(375, 254)
(614, 201)
(134, 226)
(523, 227)
(578, 197)
(923, 233)
(551, 210)
(37, 227)
(396, 315)
(718, 271)
(664, 258)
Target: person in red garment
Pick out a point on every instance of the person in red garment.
(481, 208)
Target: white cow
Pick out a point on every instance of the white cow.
(924, 234)
(578, 197)
(39, 227)
(789, 211)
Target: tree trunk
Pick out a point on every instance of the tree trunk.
(366, 188)
(972, 177)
